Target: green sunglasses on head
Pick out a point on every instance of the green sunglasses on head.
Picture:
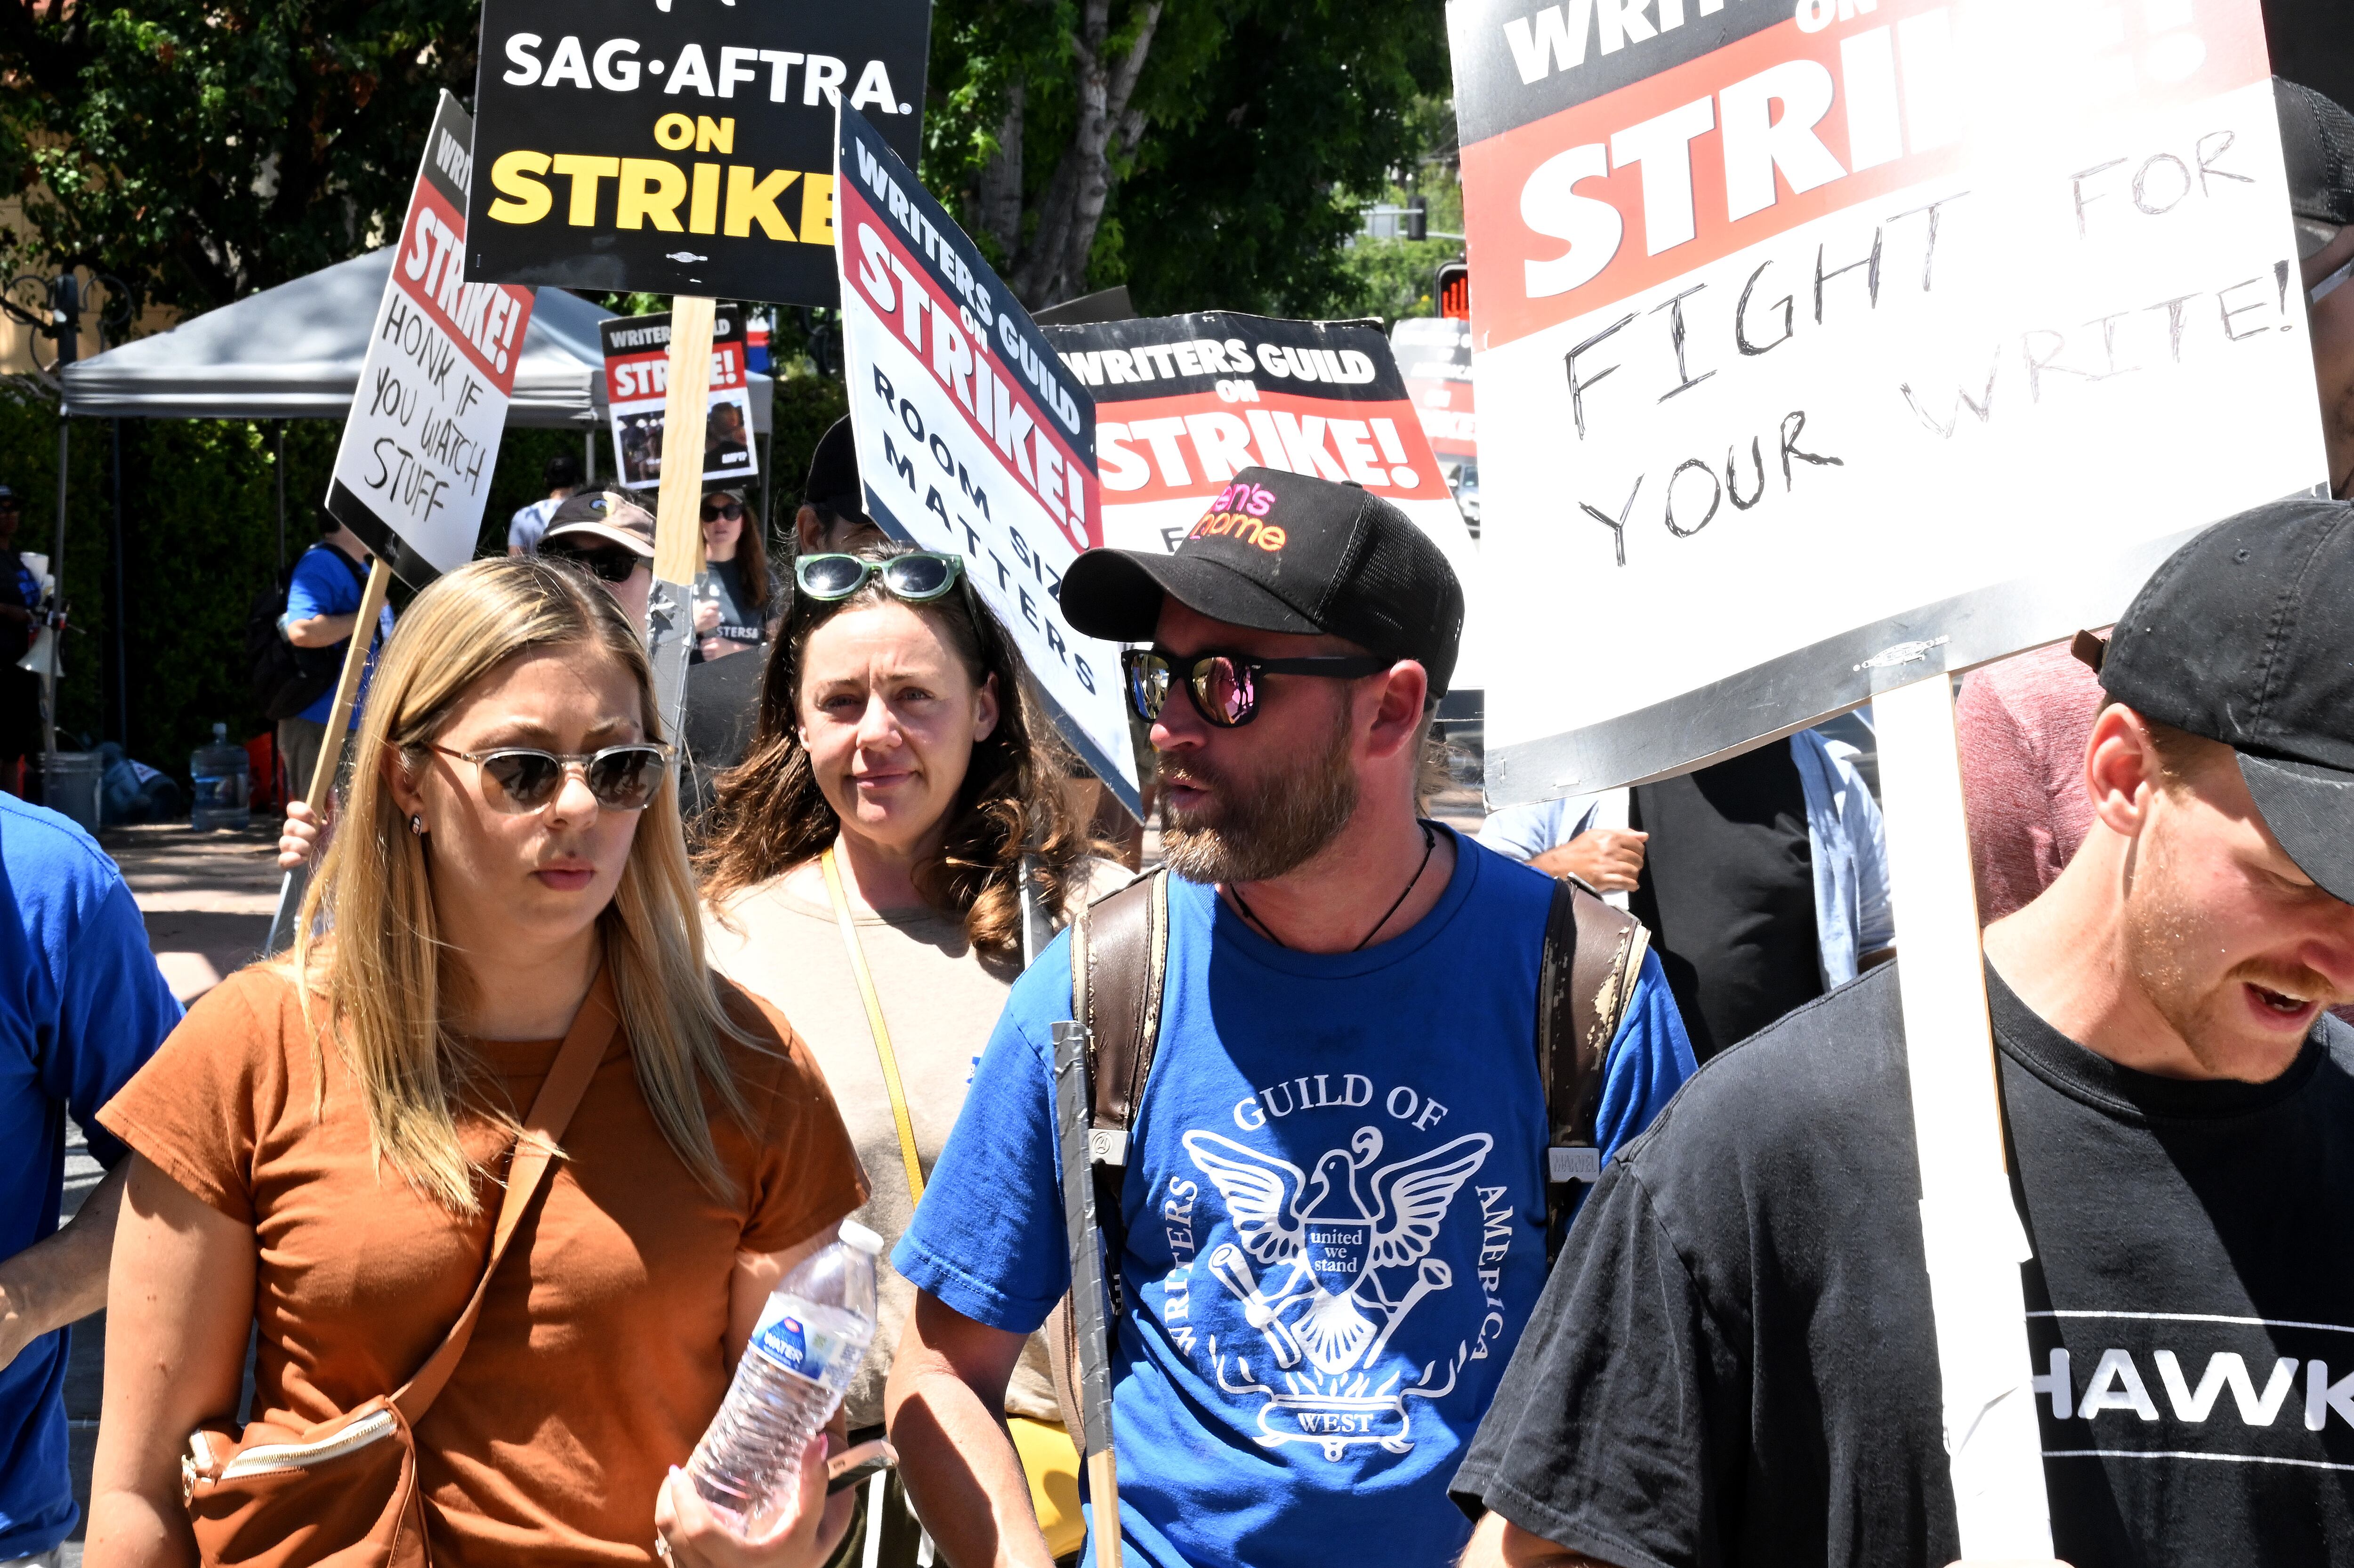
(916, 578)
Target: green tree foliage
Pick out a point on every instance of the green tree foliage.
(1222, 134)
(202, 149)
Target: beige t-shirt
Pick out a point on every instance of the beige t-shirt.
(940, 1001)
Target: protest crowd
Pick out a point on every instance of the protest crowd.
(1550, 1192)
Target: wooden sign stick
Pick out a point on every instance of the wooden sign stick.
(678, 511)
(331, 754)
(1969, 1225)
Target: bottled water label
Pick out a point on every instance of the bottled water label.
(800, 1346)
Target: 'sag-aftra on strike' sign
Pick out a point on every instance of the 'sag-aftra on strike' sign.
(1811, 336)
(974, 438)
(413, 471)
(680, 146)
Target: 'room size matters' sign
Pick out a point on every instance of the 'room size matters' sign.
(678, 146)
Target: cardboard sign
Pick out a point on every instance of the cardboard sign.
(973, 439)
(685, 147)
(1433, 354)
(413, 470)
(1818, 340)
(1185, 402)
(637, 382)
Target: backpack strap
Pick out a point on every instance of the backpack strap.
(1592, 961)
(1120, 966)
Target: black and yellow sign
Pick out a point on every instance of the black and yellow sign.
(678, 146)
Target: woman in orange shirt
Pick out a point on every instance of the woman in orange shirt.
(319, 1144)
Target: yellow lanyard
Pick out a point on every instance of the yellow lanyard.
(875, 1023)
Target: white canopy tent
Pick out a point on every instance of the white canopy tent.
(294, 351)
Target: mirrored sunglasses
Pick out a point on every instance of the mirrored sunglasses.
(1224, 687)
(916, 578)
(620, 778)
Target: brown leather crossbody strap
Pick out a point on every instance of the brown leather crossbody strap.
(543, 1126)
(1592, 960)
(1119, 962)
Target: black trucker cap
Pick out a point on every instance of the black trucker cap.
(1287, 552)
(2317, 145)
(2246, 636)
(834, 474)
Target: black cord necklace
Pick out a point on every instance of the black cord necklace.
(1429, 846)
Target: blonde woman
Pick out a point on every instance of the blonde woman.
(318, 1146)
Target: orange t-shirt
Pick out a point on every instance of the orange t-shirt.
(601, 1352)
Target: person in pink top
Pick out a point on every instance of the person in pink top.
(2024, 723)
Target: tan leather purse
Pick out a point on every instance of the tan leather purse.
(344, 1493)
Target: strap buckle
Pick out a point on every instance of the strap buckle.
(1107, 1146)
(1582, 1163)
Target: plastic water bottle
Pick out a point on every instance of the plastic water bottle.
(805, 1349)
(224, 778)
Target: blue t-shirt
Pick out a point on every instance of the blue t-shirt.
(324, 584)
(82, 1006)
(1335, 1217)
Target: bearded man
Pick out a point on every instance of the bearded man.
(1735, 1362)
(1332, 1217)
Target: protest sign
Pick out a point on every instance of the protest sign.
(637, 384)
(413, 471)
(973, 438)
(1827, 348)
(1808, 331)
(1434, 355)
(1192, 399)
(683, 148)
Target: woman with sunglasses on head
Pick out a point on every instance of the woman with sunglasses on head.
(736, 604)
(875, 834)
(323, 1148)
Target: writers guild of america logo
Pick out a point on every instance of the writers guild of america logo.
(1345, 1250)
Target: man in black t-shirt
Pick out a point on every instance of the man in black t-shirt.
(1736, 1360)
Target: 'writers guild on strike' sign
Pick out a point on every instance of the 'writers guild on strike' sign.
(413, 471)
(683, 147)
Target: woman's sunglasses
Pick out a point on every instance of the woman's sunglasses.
(916, 578)
(605, 566)
(622, 778)
(1224, 686)
(713, 511)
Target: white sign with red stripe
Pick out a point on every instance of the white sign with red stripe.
(973, 439)
(1184, 403)
(1810, 329)
(415, 463)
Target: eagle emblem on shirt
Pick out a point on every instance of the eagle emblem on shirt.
(1327, 1263)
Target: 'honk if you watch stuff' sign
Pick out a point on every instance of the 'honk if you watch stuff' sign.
(678, 146)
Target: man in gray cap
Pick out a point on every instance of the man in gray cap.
(1735, 1362)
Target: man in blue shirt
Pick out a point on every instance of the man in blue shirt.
(82, 1006)
(1335, 1200)
(323, 607)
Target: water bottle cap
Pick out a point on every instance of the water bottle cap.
(858, 1236)
(220, 732)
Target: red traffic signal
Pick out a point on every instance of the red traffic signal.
(1454, 290)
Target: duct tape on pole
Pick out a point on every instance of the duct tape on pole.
(1090, 1304)
(678, 522)
(1815, 346)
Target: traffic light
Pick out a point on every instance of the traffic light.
(1417, 218)
(1454, 290)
